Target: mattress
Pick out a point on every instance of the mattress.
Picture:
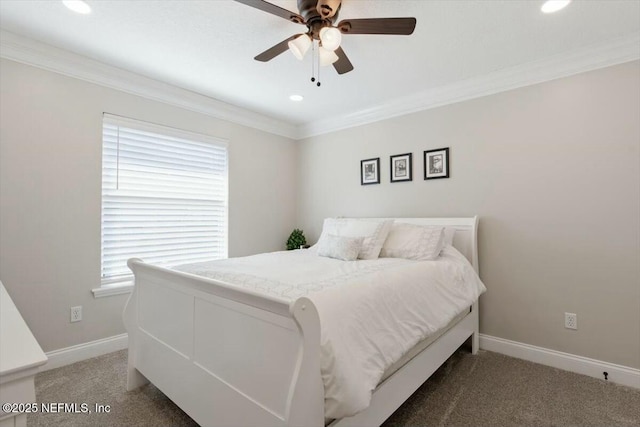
(413, 352)
(421, 346)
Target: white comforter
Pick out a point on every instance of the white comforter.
(371, 312)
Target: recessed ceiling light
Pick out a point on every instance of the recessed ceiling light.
(551, 6)
(77, 6)
(296, 98)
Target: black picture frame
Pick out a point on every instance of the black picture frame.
(436, 163)
(370, 171)
(401, 167)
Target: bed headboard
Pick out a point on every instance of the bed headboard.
(466, 238)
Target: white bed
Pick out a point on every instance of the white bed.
(232, 354)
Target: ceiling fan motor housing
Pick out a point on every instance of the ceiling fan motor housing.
(329, 8)
(319, 10)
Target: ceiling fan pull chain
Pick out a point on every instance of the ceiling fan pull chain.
(313, 63)
(315, 56)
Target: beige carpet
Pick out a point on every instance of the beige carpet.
(483, 390)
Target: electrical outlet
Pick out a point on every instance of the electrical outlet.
(76, 313)
(571, 321)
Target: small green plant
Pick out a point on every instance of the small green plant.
(296, 239)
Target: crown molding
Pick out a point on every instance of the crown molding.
(612, 52)
(41, 55)
(601, 55)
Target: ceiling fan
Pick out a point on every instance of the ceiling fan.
(320, 16)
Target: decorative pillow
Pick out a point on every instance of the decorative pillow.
(344, 248)
(416, 242)
(373, 231)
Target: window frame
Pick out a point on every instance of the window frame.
(114, 285)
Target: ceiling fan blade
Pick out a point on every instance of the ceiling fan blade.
(274, 10)
(398, 26)
(274, 51)
(342, 65)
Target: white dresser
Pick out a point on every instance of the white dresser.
(20, 358)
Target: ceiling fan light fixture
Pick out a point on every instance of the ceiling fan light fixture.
(77, 6)
(326, 56)
(331, 37)
(299, 46)
(551, 6)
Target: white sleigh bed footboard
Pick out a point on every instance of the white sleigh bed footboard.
(226, 357)
(231, 357)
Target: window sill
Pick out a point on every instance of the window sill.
(113, 289)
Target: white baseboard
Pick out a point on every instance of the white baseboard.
(76, 353)
(569, 362)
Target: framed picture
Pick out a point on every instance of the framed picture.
(370, 171)
(436, 163)
(401, 168)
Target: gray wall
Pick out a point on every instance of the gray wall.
(50, 189)
(553, 172)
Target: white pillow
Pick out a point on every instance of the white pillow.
(344, 248)
(374, 232)
(416, 242)
(449, 232)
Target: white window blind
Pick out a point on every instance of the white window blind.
(164, 196)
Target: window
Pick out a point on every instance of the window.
(164, 197)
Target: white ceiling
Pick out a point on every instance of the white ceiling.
(208, 46)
